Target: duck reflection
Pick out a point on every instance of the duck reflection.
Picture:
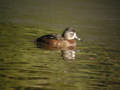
(68, 54)
(65, 42)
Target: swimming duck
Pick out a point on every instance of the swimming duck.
(56, 41)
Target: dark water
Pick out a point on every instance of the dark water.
(25, 67)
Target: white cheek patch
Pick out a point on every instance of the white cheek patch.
(74, 36)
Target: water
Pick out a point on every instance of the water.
(25, 67)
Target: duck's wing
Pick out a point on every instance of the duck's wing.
(50, 36)
(46, 38)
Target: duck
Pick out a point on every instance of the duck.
(56, 41)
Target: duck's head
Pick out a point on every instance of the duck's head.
(70, 34)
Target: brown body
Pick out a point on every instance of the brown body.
(56, 44)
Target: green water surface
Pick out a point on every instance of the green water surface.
(25, 67)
